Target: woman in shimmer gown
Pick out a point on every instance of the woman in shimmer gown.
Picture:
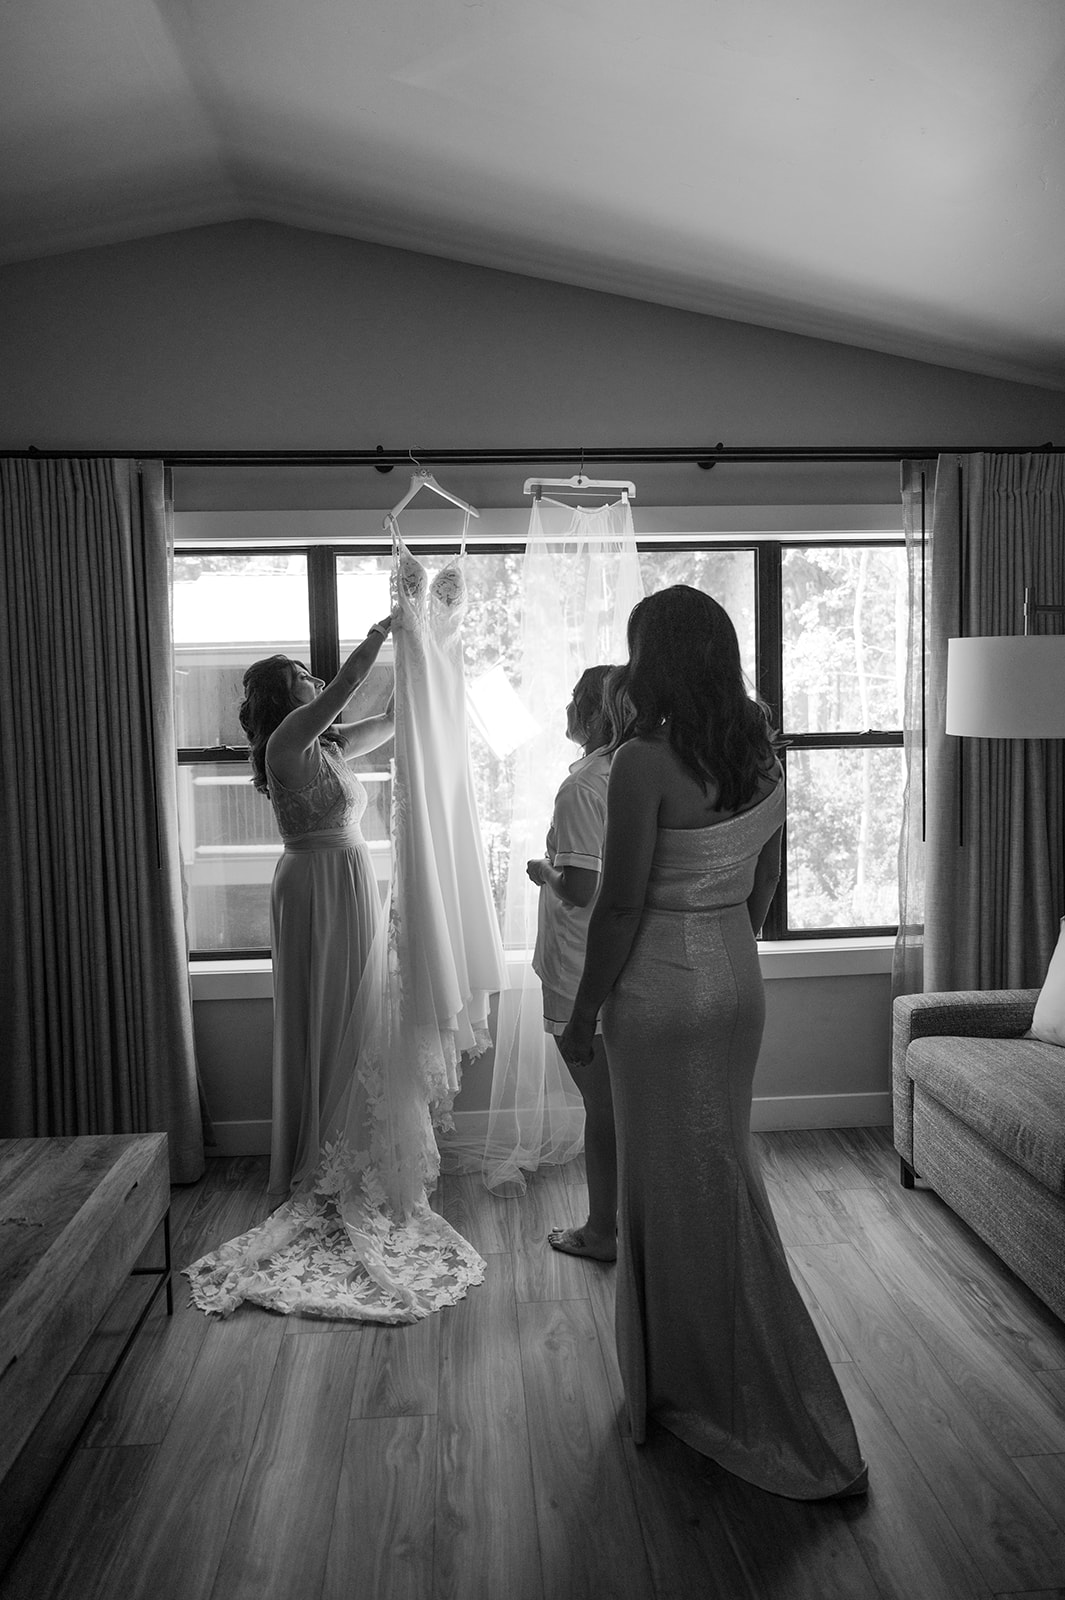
(714, 1341)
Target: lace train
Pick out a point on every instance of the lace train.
(323, 1256)
(357, 1237)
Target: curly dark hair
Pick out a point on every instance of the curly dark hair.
(684, 665)
(590, 704)
(268, 699)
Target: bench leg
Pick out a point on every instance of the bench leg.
(906, 1173)
(164, 1274)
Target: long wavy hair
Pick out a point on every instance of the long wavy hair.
(268, 699)
(684, 670)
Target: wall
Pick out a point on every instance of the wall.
(253, 336)
(824, 1062)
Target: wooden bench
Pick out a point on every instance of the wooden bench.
(75, 1216)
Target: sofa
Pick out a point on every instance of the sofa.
(979, 1115)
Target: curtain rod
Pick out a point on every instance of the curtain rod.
(385, 460)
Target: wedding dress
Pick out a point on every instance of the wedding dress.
(398, 1006)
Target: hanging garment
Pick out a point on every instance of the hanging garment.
(448, 954)
(377, 1006)
(580, 580)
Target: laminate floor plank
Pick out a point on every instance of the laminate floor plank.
(487, 1220)
(278, 1537)
(789, 1549)
(872, 1149)
(233, 1198)
(453, 1458)
(824, 1162)
(1054, 1382)
(687, 1548)
(600, 1280)
(486, 1543)
(397, 1369)
(801, 1215)
(139, 1405)
(975, 1482)
(591, 1547)
(70, 1550)
(1019, 1317)
(908, 1541)
(541, 1273)
(1007, 1398)
(176, 1534)
(383, 1536)
(835, 1349)
(1046, 1474)
(1034, 1594)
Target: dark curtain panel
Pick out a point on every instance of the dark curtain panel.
(982, 855)
(96, 1007)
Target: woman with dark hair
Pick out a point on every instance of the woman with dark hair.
(324, 903)
(568, 876)
(714, 1341)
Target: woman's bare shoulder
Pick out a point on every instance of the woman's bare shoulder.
(642, 755)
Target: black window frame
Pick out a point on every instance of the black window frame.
(768, 553)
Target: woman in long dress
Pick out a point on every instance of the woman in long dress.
(353, 1153)
(714, 1341)
(324, 903)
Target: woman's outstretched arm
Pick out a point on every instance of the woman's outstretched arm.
(359, 737)
(296, 735)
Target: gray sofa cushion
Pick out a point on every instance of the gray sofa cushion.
(1009, 1091)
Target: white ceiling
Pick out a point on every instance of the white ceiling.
(887, 173)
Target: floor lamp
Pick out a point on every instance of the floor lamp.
(1008, 687)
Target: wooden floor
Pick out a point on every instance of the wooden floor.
(481, 1454)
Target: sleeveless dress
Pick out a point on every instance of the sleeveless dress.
(324, 912)
(374, 1007)
(714, 1341)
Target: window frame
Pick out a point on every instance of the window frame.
(768, 553)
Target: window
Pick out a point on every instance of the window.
(821, 626)
(842, 661)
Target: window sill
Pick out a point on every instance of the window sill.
(791, 958)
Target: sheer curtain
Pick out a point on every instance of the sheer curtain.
(96, 1010)
(982, 879)
(580, 580)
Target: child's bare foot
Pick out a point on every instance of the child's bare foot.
(583, 1242)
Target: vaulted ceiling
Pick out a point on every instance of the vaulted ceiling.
(886, 173)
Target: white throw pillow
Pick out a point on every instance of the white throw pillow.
(1048, 1023)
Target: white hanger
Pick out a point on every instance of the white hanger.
(424, 480)
(579, 484)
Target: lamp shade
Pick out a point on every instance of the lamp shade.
(1007, 688)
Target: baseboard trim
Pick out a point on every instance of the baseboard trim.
(773, 1112)
(768, 1113)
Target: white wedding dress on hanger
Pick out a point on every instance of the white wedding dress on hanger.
(358, 1238)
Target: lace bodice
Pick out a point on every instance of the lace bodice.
(707, 869)
(436, 606)
(333, 800)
